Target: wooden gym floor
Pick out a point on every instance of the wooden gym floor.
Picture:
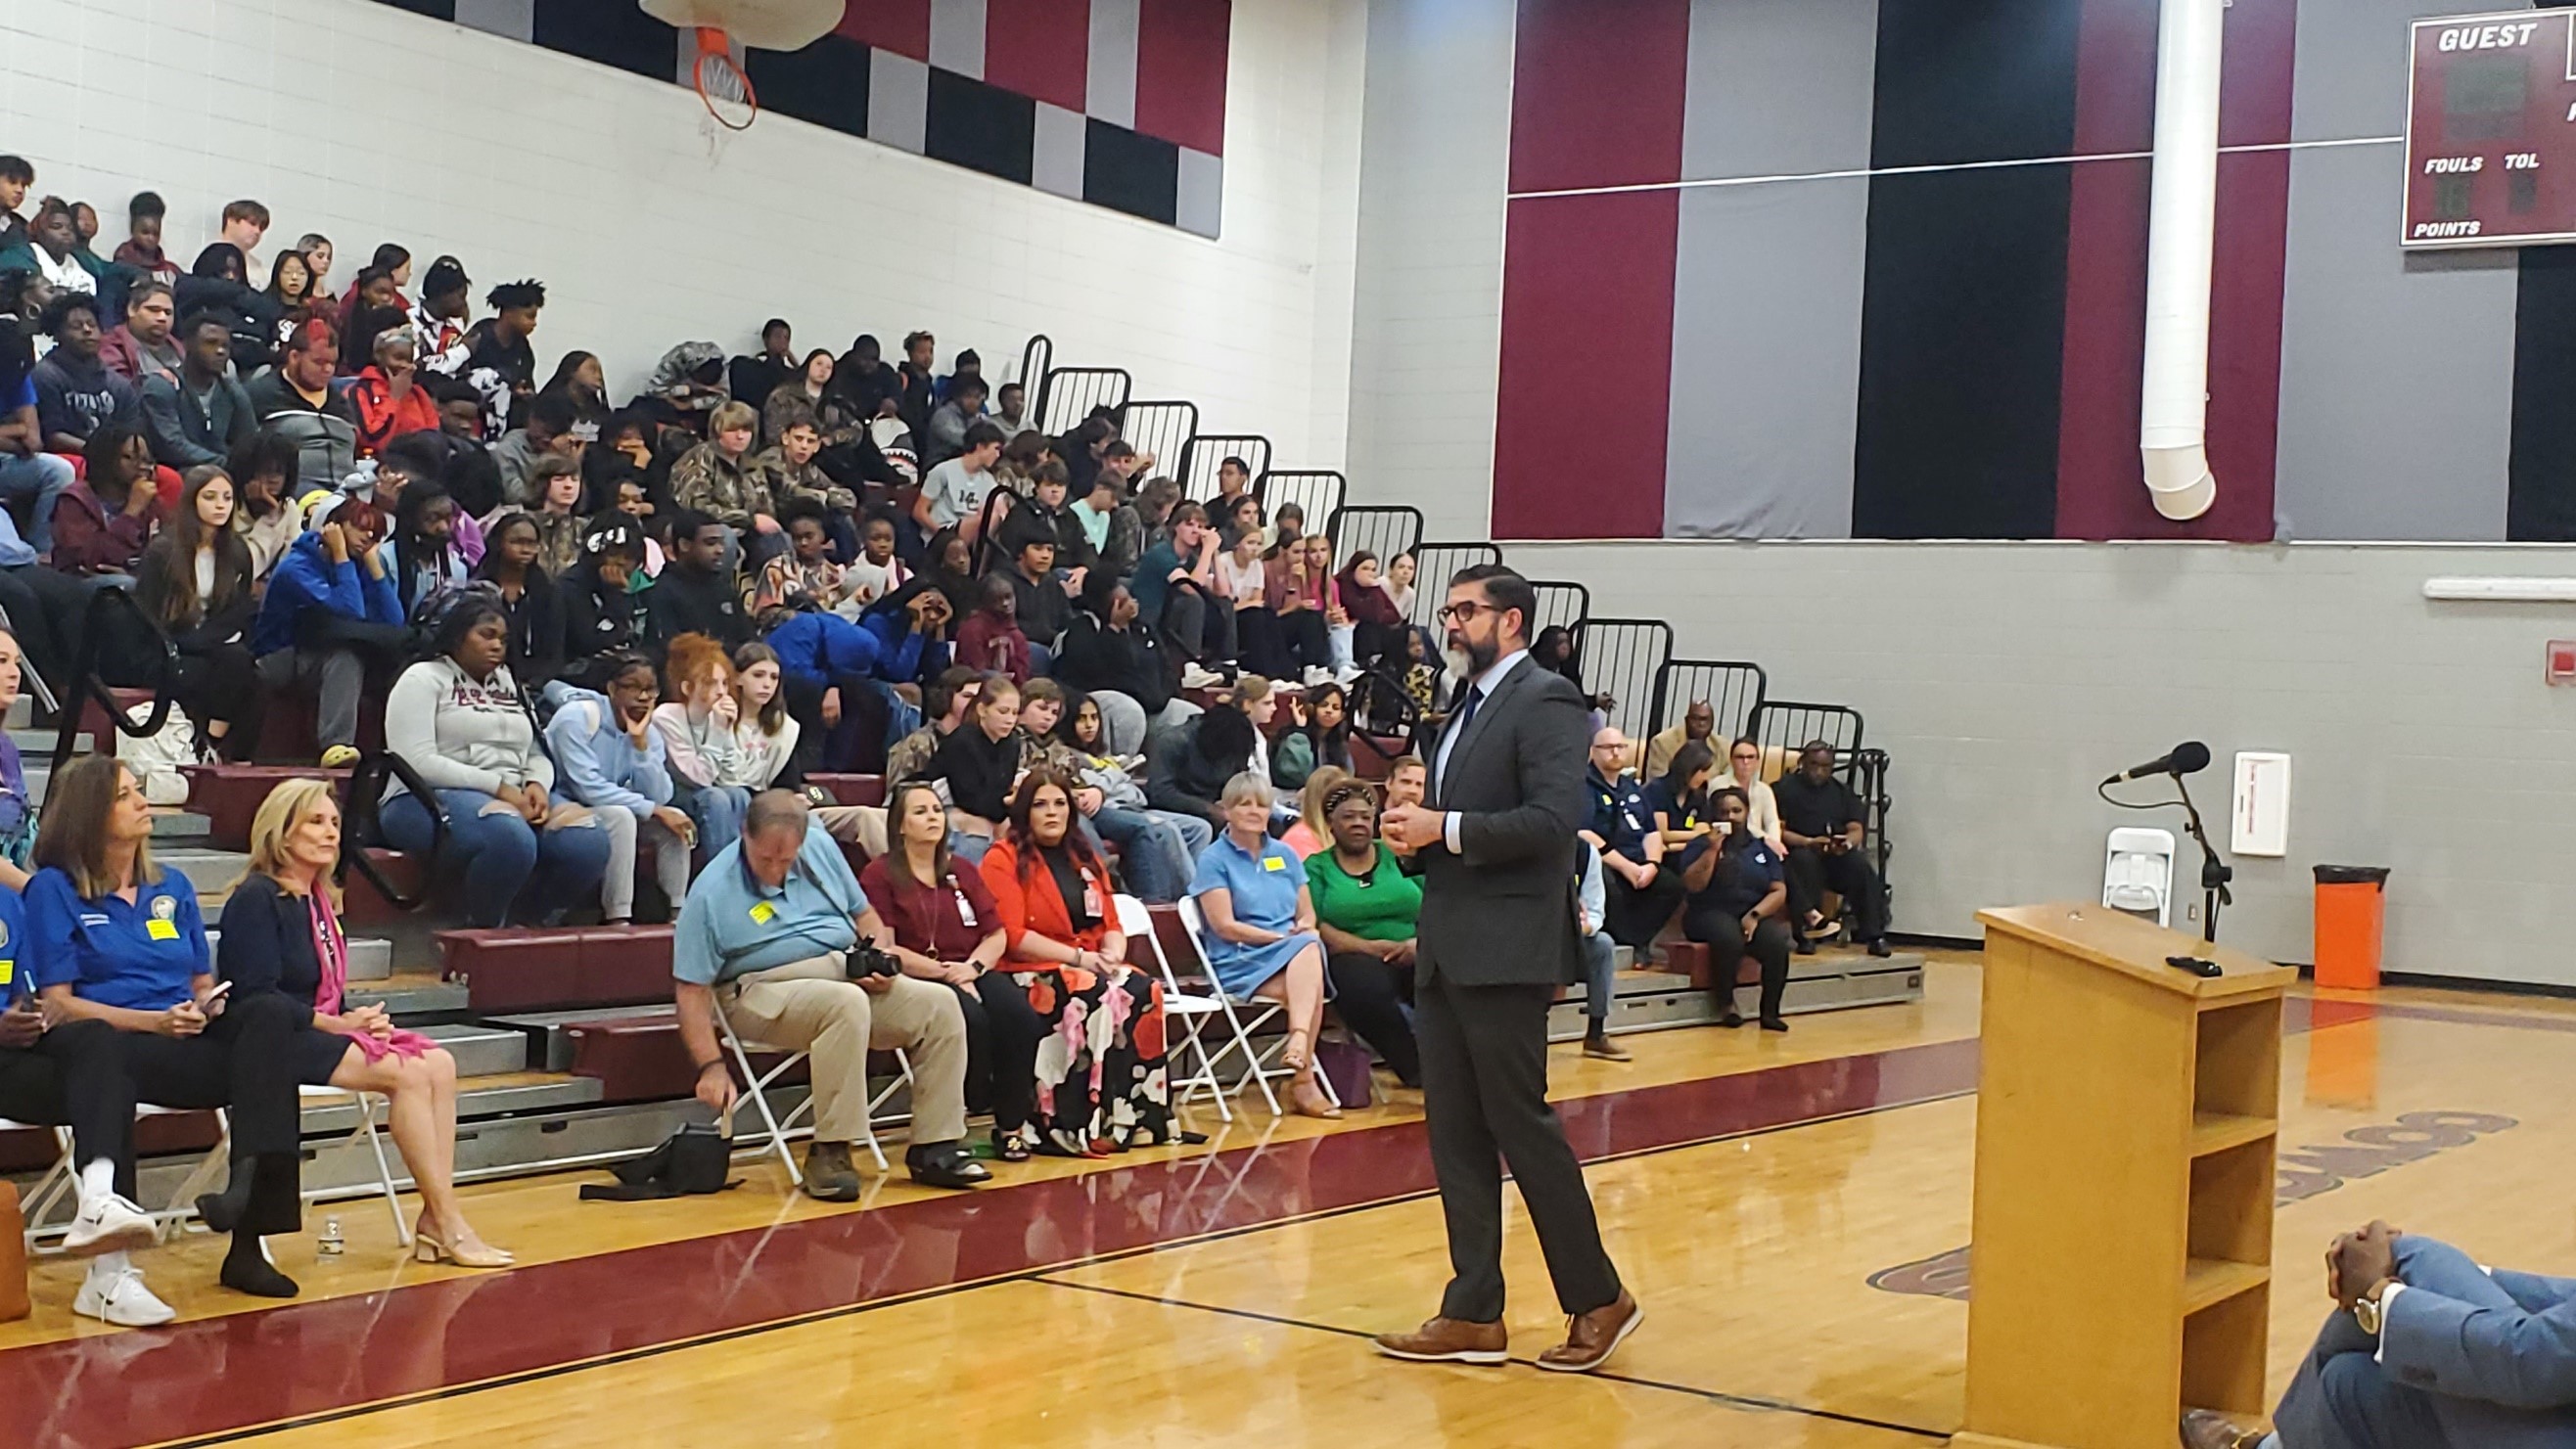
(1791, 1210)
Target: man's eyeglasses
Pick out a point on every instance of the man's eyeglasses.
(1460, 613)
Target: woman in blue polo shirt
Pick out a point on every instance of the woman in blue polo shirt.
(1738, 893)
(116, 938)
(1260, 938)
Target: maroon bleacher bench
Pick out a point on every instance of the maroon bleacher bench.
(851, 789)
(94, 720)
(1690, 958)
(526, 968)
(407, 873)
(229, 796)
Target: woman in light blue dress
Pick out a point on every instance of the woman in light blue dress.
(1260, 938)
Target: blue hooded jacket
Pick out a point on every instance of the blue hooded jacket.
(307, 579)
(820, 648)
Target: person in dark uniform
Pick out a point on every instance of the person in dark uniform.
(1639, 895)
(1821, 821)
(1495, 939)
(1738, 895)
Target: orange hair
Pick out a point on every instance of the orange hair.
(695, 657)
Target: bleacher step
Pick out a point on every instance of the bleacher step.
(371, 958)
(550, 1044)
(480, 1050)
(1828, 981)
(411, 994)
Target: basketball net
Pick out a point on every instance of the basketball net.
(731, 102)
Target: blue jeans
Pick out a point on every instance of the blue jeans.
(718, 811)
(1600, 975)
(44, 478)
(1157, 850)
(503, 858)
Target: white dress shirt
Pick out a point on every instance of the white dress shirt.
(1484, 685)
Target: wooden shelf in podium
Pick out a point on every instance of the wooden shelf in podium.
(2126, 1121)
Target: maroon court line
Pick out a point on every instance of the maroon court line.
(213, 1378)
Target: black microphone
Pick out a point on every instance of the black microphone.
(2188, 758)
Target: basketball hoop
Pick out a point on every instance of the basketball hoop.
(721, 83)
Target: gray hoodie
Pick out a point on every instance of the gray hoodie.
(461, 735)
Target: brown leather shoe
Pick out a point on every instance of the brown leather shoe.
(1448, 1340)
(2202, 1429)
(1590, 1338)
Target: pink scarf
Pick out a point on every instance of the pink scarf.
(331, 948)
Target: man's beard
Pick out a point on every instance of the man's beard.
(1471, 660)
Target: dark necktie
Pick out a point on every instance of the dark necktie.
(1466, 717)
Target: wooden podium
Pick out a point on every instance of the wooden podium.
(2125, 1120)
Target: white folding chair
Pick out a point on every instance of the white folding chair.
(1187, 1008)
(1242, 1015)
(799, 1122)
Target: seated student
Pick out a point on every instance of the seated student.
(270, 512)
(765, 730)
(76, 394)
(1260, 938)
(1375, 624)
(2426, 1349)
(101, 523)
(422, 558)
(1365, 909)
(950, 421)
(111, 936)
(458, 719)
(752, 379)
(217, 284)
(1053, 897)
(143, 347)
(1296, 595)
(1187, 767)
(716, 478)
(1040, 608)
(606, 597)
(1243, 583)
(701, 735)
(980, 761)
(1407, 781)
(1046, 517)
(946, 702)
(877, 572)
(1120, 663)
(559, 527)
(548, 433)
(1640, 894)
(1175, 586)
(1822, 821)
(990, 638)
(141, 249)
(694, 594)
(1744, 773)
(804, 577)
(281, 937)
(1738, 898)
(53, 251)
(846, 680)
(296, 400)
(529, 600)
(390, 396)
(954, 493)
(330, 617)
(1237, 519)
(195, 582)
(787, 471)
(1096, 513)
(1600, 956)
(609, 757)
(946, 930)
(1156, 851)
(1320, 738)
(767, 938)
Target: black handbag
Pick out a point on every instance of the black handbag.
(691, 1162)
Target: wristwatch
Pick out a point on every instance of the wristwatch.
(2365, 1309)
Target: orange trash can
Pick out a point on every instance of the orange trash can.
(2352, 906)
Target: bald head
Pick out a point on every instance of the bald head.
(1699, 721)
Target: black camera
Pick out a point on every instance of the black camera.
(865, 960)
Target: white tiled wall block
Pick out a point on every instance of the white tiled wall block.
(368, 124)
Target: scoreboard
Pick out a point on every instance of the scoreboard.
(2491, 130)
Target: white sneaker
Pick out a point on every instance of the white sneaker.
(120, 1298)
(1317, 676)
(1345, 675)
(1195, 677)
(109, 1224)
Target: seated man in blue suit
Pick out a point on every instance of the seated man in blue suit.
(2426, 1350)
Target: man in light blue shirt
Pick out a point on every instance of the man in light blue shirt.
(768, 937)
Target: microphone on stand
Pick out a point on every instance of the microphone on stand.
(2188, 758)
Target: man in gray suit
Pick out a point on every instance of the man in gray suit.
(2426, 1350)
(1495, 940)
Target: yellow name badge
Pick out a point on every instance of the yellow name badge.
(8, 970)
(762, 913)
(161, 930)
(1272, 862)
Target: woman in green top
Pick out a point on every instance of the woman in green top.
(1365, 907)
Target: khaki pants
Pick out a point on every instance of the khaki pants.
(809, 1006)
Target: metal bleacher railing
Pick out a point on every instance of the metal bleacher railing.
(1620, 658)
(1733, 688)
(1316, 492)
(358, 806)
(1074, 393)
(1561, 605)
(113, 626)
(1791, 724)
(1159, 430)
(1203, 455)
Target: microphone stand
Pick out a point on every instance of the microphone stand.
(2214, 872)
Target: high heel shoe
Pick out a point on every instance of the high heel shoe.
(1308, 1100)
(1298, 1051)
(428, 1247)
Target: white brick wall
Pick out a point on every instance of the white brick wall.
(537, 164)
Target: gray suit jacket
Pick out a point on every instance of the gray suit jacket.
(1500, 911)
(2501, 1378)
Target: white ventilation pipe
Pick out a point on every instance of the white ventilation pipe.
(2182, 220)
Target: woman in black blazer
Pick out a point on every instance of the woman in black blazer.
(280, 933)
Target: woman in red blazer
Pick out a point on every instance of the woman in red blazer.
(1100, 1067)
